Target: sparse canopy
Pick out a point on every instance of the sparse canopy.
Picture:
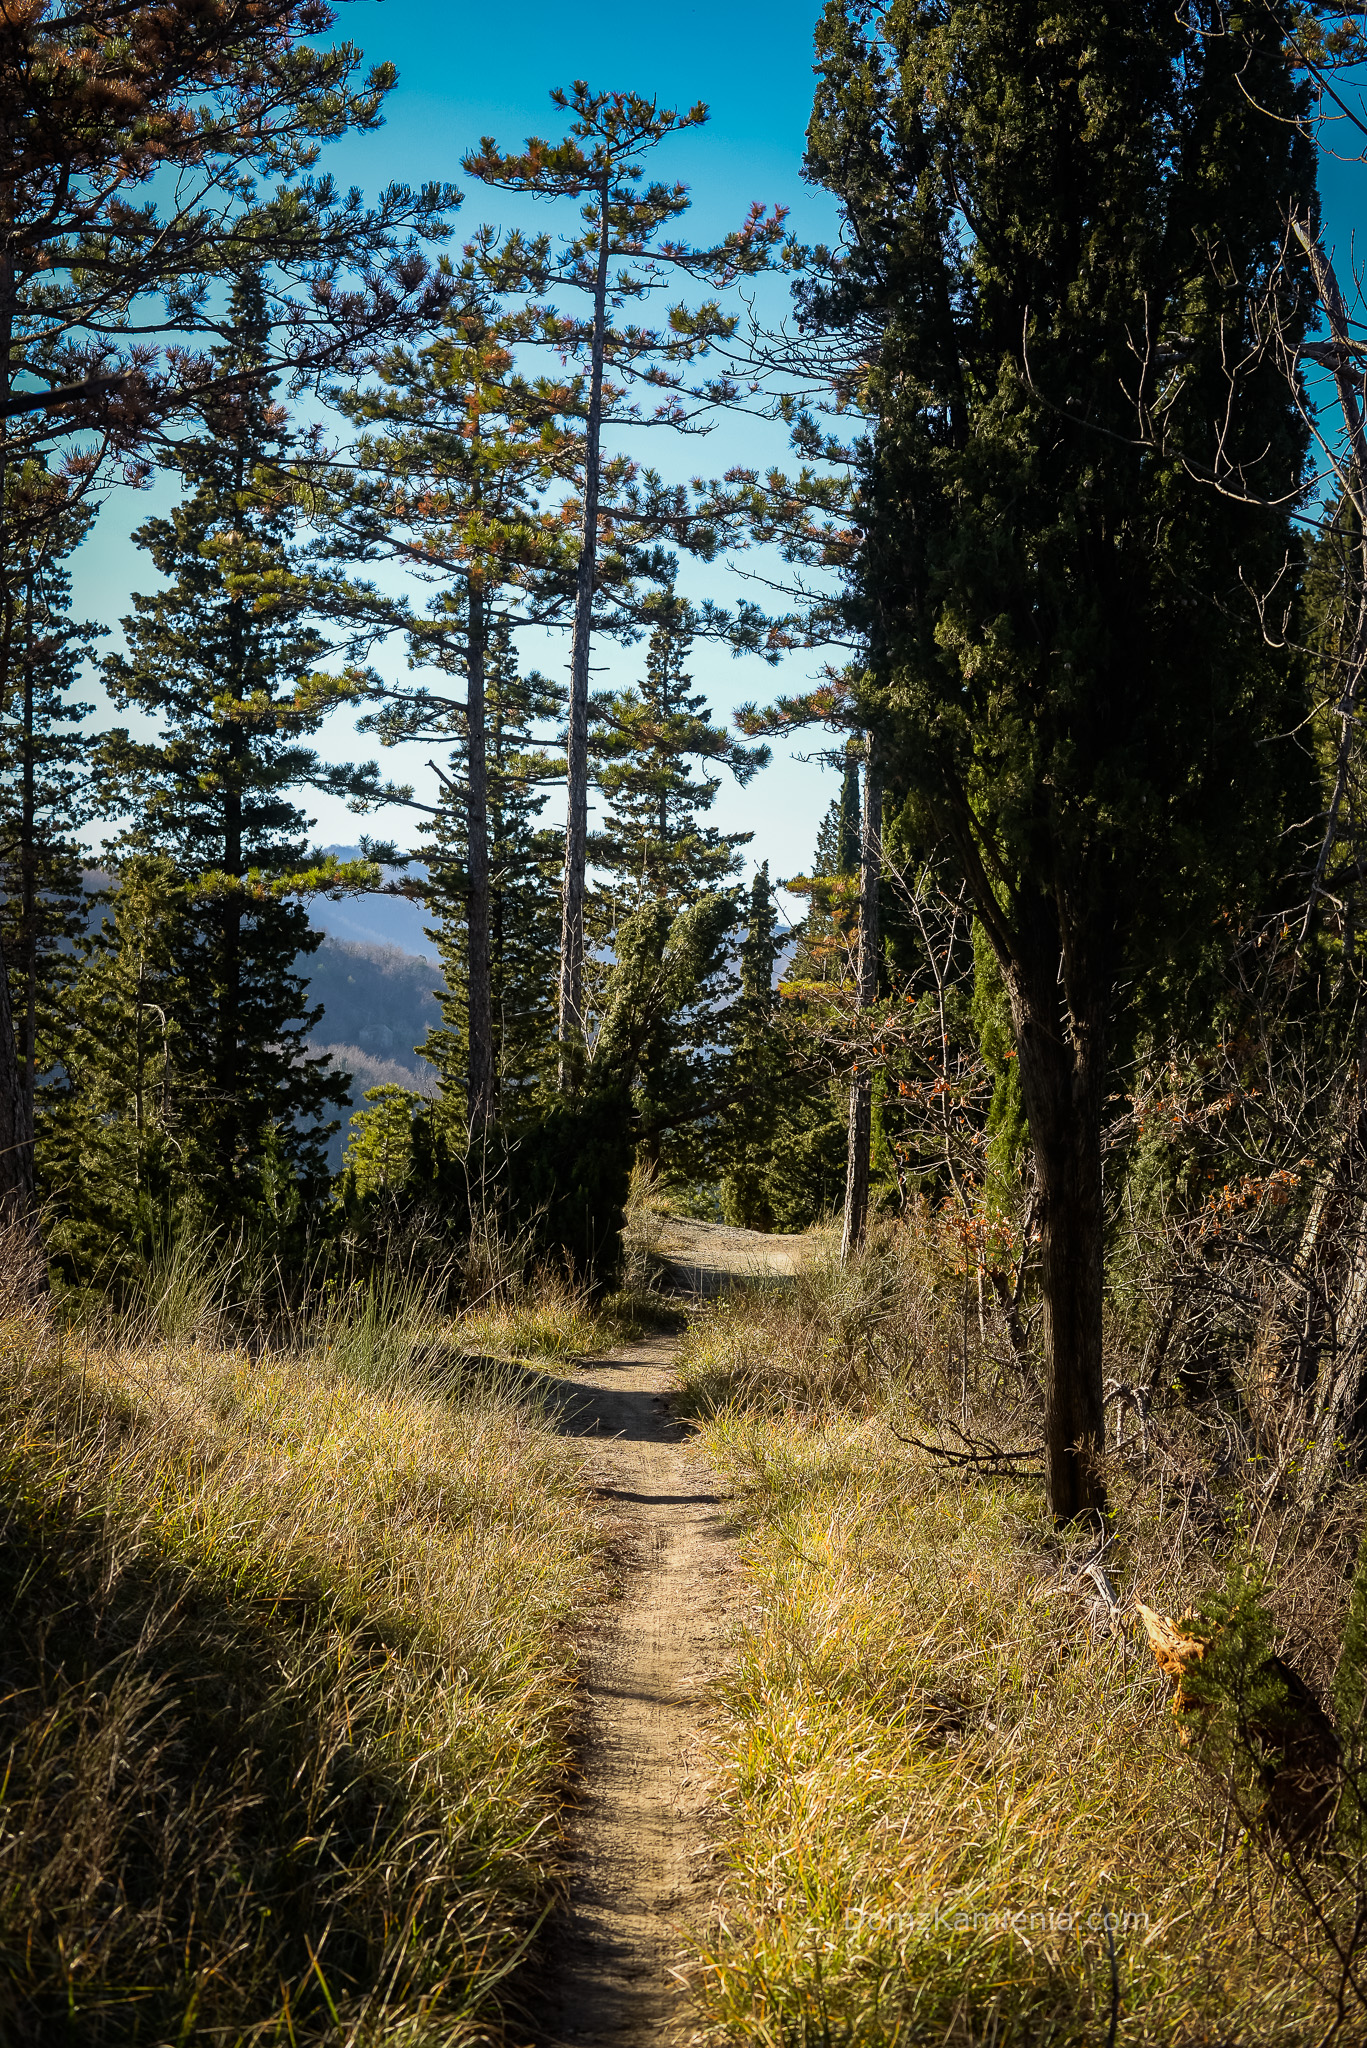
(625, 224)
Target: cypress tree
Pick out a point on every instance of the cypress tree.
(221, 668)
(1062, 220)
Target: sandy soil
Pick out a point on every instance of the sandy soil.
(639, 1856)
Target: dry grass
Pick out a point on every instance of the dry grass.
(554, 1322)
(287, 1685)
(931, 1728)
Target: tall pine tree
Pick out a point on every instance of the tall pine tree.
(626, 252)
(218, 668)
(524, 916)
(45, 789)
(456, 477)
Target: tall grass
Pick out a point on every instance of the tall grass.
(951, 1801)
(288, 1674)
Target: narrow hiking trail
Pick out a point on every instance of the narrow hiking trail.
(638, 1850)
(640, 1866)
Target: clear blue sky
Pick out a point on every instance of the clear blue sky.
(468, 70)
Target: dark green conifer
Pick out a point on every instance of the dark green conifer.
(122, 1118)
(45, 789)
(1072, 503)
(213, 791)
(653, 845)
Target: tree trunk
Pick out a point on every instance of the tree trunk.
(229, 1078)
(480, 1096)
(28, 859)
(866, 994)
(16, 1144)
(1062, 1067)
(577, 807)
(1326, 1294)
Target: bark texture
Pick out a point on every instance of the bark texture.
(577, 762)
(866, 993)
(480, 1023)
(1062, 1065)
(16, 1140)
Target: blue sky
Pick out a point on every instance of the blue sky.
(466, 71)
(470, 70)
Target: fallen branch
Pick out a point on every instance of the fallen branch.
(979, 1455)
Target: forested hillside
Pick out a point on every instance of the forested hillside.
(872, 1407)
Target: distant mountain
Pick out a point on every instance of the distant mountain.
(394, 921)
(376, 920)
(379, 1003)
(377, 997)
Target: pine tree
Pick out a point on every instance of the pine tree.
(758, 1067)
(524, 919)
(598, 164)
(783, 1143)
(220, 668)
(45, 791)
(659, 857)
(653, 845)
(122, 1115)
(136, 137)
(456, 478)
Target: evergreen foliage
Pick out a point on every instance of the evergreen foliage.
(626, 252)
(524, 917)
(125, 1116)
(45, 792)
(653, 845)
(451, 479)
(211, 792)
(1095, 742)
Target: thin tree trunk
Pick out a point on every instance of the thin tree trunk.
(571, 1025)
(16, 1145)
(866, 994)
(230, 1003)
(480, 1096)
(1345, 368)
(1062, 1077)
(28, 856)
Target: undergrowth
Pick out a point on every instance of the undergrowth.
(952, 1803)
(287, 1661)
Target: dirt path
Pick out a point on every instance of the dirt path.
(639, 1855)
(707, 1258)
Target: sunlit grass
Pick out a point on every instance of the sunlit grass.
(554, 1323)
(927, 1731)
(288, 1687)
